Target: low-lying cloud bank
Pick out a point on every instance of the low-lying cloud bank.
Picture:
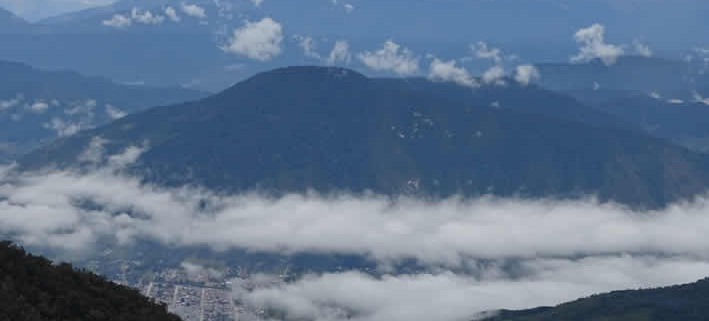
(479, 255)
(450, 297)
(72, 209)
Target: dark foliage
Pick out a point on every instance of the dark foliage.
(33, 289)
(689, 302)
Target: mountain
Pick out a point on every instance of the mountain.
(526, 99)
(628, 73)
(684, 121)
(332, 129)
(33, 288)
(37, 106)
(682, 302)
(10, 23)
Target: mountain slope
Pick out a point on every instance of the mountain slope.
(10, 23)
(32, 288)
(37, 106)
(687, 302)
(332, 129)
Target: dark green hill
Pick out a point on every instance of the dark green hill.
(332, 129)
(34, 289)
(689, 302)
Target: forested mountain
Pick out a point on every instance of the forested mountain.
(32, 288)
(332, 129)
(37, 106)
(687, 302)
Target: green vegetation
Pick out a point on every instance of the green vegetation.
(33, 289)
(689, 302)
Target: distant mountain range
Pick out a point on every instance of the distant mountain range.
(10, 23)
(334, 130)
(687, 302)
(37, 106)
(663, 98)
(34, 288)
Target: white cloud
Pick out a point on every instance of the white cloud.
(63, 128)
(655, 95)
(675, 101)
(194, 10)
(482, 51)
(308, 46)
(171, 13)
(38, 107)
(257, 2)
(118, 21)
(340, 53)
(448, 71)
(257, 40)
(595, 47)
(698, 98)
(641, 49)
(525, 74)
(447, 296)
(146, 17)
(349, 7)
(391, 58)
(494, 75)
(12, 102)
(114, 112)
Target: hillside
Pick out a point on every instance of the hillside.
(339, 135)
(37, 106)
(32, 288)
(10, 23)
(682, 302)
(332, 129)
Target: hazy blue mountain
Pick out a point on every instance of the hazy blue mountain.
(37, 106)
(686, 302)
(10, 23)
(628, 74)
(333, 129)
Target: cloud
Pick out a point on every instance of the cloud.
(482, 51)
(256, 2)
(358, 297)
(391, 58)
(675, 101)
(257, 40)
(194, 10)
(347, 6)
(525, 74)
(12, 102)
(146, 17)
(595, 47)
(38, 107)
(339, 53)
(62, 128)
(699, 98)
(114, 112)
(448, 71)
(308, 46)
(171, 13)
(641, 49)
(460, 230)
(494, 75)
(118, 21)
(655, 95)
